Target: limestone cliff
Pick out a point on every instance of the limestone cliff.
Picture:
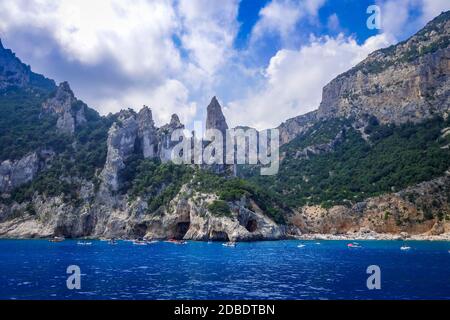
(409, 211)
(409, 81)
(70, 111)
(164, 138)
(121, 144)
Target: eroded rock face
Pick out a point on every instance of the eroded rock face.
(296, 126)
(406, 82)
(215, 118)
(16, 173)
(410, 211)
(70, 111)
(165, 143)
(188, 218)
(121, 144)
(134, 134)
(147, 133)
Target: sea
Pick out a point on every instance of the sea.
(286, 270)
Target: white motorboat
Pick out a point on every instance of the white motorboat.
(229, 244)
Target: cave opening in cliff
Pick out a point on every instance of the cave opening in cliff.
(219, 236)
(140, 230)
(251, 225)
(181, 229)
(62, 231)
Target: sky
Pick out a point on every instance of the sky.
(265, 60)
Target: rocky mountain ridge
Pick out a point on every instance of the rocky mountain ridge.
(409, 81)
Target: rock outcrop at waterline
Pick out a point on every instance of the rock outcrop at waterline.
(409, 211)
(186, 217)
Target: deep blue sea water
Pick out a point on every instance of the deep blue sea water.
(260, 270)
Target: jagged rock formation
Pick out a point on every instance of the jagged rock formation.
(164, 134)
(136, 133)
(147, 133)
(121, 144)
(406, 82)
(294, 127)
(13, 73)
(215, 118)
(70, 111)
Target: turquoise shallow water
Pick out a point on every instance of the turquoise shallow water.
(262, 270)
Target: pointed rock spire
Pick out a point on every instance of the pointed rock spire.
(175, 120)
(215, 118)
(145, 118)
(70, 111)
(147, 133)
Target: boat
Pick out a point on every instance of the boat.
(139, 242)
(229, 244)
(353, 245)
(405, 248)
(84, 243)
(152, 242)
(301, 245)
(175, 241)
(57, 239)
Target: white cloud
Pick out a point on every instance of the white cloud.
(281, 17)
(333, 23)
(399, 17)
(295, 78)
(432, 8)
(87, 31)
(208, 32)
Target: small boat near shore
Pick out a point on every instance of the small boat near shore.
(84, 243)
(405, 248)
(353, 245)
(175, 241)
(139, 242)
(57, 239)
(301, 245)
(230, 244)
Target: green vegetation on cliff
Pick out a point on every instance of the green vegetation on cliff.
(22, 127)
(395, 157)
